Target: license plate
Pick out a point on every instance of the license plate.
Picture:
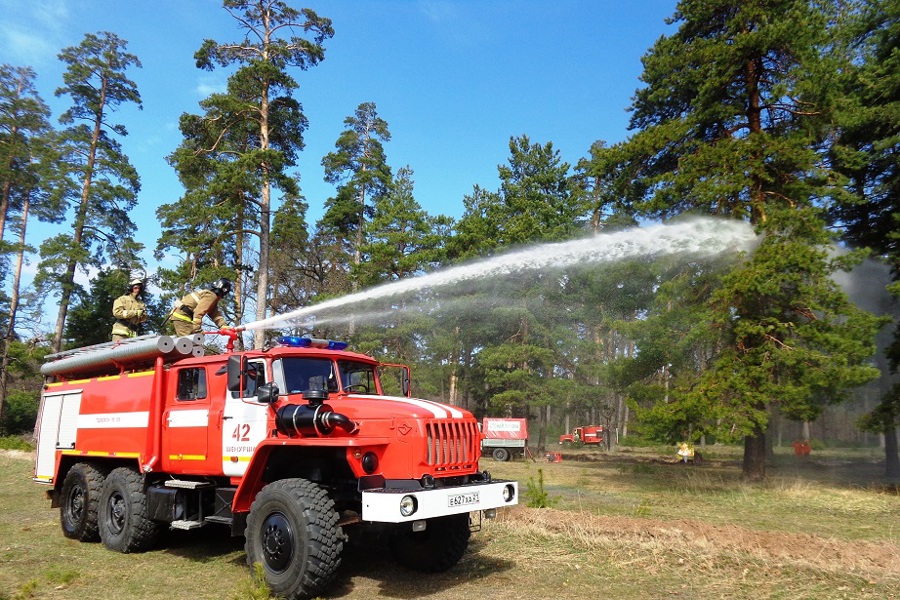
(463, 499)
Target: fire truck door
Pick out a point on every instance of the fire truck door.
(57, 429)
(244, 423)
(186, 423)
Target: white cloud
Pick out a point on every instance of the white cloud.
(26, 47)
(31, 31)
(438, 11)
(51, 14)
(210, 85)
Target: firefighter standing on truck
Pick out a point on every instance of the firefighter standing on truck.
(187, 316)
(129, 311)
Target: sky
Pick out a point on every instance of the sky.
(455, 80)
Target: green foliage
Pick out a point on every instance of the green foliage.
(537, 201)
(241, 148)
(537, 496)
(636, 440)
(90, 319)
(15, 442)
(866, 155)
(255, 586)
(736, 104)
(96, 177)
(359, 168)
(23, 386)
(401, 239)
(19, 412)
(23, 123)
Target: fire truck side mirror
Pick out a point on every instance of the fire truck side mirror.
(404, 382)
(237, 372)
(267, 393)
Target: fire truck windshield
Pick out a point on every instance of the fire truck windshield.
(302, 374)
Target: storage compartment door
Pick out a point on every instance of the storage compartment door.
(57, 429)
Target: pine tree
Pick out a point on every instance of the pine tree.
(23, 116)
(359, 168)
(735, 111)
(26, 181)
(104, 184)
(264, 58)
(538, 200)
(867, 152)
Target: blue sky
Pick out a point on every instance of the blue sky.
(454, 80)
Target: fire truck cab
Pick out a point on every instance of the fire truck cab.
(290, 447)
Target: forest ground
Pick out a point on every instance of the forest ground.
(626, 524)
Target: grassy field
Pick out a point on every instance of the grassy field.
(628, 525)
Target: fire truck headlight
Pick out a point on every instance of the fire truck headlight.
(369, 462)
(509, 492)
(408, 505)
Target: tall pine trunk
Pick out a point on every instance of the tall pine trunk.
(891, 453)
(265, 210)
(754, 468)
(13, 307)
(67, 283)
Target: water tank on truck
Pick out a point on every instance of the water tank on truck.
(504, 438)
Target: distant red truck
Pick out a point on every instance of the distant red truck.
(589, 435)
(503, 437)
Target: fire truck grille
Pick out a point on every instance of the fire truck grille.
(452, 445)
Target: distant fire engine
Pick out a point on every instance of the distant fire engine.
(589, 435)
(288, 446)
(503, 437)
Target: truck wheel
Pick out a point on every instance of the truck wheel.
(124, 525)
(501, 454)
(292, 532)
(436, 549)
(80, 502)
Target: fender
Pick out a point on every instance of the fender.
(253, 481)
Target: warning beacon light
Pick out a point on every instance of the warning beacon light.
(297, 341)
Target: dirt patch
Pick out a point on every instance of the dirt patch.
(692, 539)
(18, 454)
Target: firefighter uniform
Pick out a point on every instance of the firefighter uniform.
(188, 313)
(130, 312)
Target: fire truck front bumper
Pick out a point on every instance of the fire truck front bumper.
(386, 505)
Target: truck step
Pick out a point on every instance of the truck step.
(187, 485)
(186, 525)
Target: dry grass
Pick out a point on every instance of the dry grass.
(629, 526)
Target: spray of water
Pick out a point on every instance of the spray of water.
(696, 237)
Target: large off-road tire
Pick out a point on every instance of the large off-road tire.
(124, 525)
(436, 549)
(80, 502)
(500, 454)
(292, 531)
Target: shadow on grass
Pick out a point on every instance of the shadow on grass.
(369, 561)
(366, 562)
(205, 544)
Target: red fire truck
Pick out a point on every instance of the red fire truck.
(503, 437)
(589, 435)
(291, 447)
